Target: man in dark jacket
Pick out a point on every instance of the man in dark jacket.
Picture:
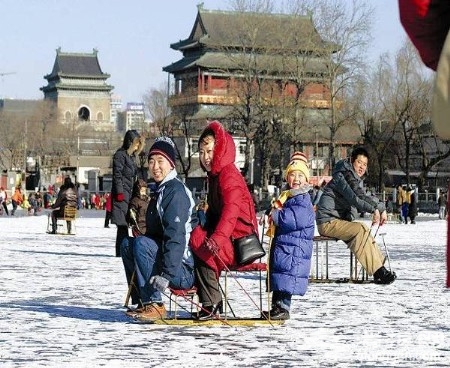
(162, 257)
(343, 197)
(67, 197)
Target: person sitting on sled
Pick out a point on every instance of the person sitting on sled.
(230, 214)
(162, 257)
(342, 198)
(292, 227)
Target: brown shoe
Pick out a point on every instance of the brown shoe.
(151, 312)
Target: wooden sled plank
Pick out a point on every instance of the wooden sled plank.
(243, 322)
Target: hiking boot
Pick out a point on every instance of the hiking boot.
(276, 313)
(383, 276)
(151, 311)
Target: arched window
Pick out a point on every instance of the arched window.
(84, 114)
(99, 116)
(68, 116)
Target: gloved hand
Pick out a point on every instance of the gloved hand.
(120, 197)
(211, 245)
(159, 283)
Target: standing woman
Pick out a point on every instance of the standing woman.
(124, 176)
(230, 214)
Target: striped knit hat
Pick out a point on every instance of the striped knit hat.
(163, 146)
(300, 156)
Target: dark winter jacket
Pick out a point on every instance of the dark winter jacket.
(231, 212)
(139, 204)
(291, 250)
(343, 197)
(67, 196)
(170, 220)
(124, 176)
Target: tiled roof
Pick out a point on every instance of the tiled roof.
(77, 64)
(235, 61)
(256, 30)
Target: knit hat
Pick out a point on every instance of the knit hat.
(297, 155)
(163, 146)
(297, 165)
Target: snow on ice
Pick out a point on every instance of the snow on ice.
(61, 305)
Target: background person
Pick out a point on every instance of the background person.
(342, 198)
(108, 208)
(16, 199)
(3, 200)
(124, 176)
(67, 197)
(138, 208)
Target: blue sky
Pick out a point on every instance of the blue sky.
(133, 39)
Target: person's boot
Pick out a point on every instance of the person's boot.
(276, 313)
(150, 312)
(383, 276)
(209, 312)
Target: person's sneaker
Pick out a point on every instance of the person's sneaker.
(383, 276)
(276, 313)
(151, 312)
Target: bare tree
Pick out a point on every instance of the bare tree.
(346, 26)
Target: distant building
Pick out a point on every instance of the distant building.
(221, 63)
(133, 117)
(116, 108)
(78, 87)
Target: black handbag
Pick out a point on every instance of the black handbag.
(247, 249)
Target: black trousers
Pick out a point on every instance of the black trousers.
(5, 207)
(107, 218)
(208, 289)
(122, 233)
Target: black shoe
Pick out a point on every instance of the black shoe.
(209, 312)
(383, 276)
(276, 313)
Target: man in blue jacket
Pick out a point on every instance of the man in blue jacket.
(343, 197)
(162, 257)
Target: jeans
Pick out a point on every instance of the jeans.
(143, 255)
(283, 299)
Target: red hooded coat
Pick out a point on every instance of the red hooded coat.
(231, 212)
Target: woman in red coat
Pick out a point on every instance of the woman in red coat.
(230, 214)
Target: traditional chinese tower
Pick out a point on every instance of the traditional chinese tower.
(78, 87)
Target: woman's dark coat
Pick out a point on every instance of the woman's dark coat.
(124, 176)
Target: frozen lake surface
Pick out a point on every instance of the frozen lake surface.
(61, 301)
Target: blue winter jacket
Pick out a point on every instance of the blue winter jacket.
(291, 250)
(170, 219)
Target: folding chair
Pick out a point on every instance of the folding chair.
(69, 216)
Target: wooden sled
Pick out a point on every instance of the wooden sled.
(230, 322)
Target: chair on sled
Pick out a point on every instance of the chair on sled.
(69, 217)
